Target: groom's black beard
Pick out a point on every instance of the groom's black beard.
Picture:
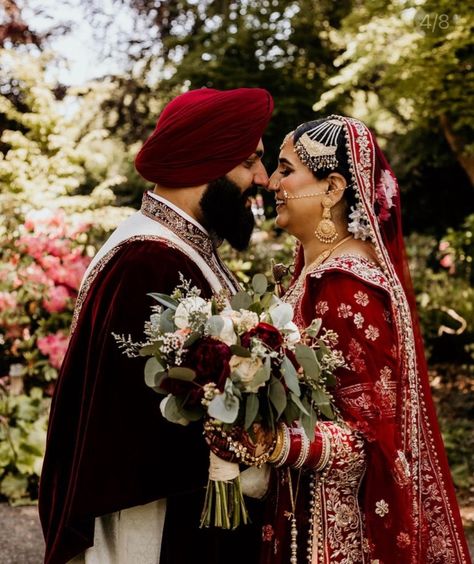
(225, 213)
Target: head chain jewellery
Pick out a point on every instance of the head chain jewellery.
(316, 149)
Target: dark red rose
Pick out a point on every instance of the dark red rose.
(209, 358)
(266, 333)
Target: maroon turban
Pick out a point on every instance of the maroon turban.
(203, 134)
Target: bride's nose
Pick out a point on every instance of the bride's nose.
(273, 183)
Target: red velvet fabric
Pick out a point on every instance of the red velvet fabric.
(203, 134)
(422, 524)
(108, 446)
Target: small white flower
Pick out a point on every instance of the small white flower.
(189, 306)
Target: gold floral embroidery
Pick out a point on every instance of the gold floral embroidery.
(372, 333)
(321, 307)
(341, 521)
(381, 508)
(427, 482)
(361, 298)
(359, 320)
(386, 389)
(354, 356)
(403, 540)
(344, 311)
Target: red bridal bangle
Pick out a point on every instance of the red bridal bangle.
(315, 449)
(296, 444)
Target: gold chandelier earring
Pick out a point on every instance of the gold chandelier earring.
(326, 230)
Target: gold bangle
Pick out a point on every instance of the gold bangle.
(275, 454)
(286, 447)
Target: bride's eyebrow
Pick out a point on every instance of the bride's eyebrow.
(285, 162)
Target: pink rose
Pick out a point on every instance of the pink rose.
(56, 299)
(54, 347)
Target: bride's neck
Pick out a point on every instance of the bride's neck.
(313, 247)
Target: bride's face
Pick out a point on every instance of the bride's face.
(293, 178)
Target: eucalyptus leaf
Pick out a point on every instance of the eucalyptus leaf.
(181, 373)
(152, 369)
(277, 395)
(225, 409)
(167, 321)
(251, 409)
(260, 283)
(165, 300)
(296, 400)
(266, 300)
(308, 422)
(171, 411)
(191, 339)
(261, 376)
(306, 357)
(240, 351)
(191, 413)
(313, 329)
(323, 401)
(290, 375)
(241, 300)
(149, 350)
(291, 413)
(330, 380)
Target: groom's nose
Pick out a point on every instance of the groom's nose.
(260, 177)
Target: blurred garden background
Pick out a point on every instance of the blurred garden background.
(81, 85)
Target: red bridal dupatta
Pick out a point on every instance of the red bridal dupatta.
(407, 499)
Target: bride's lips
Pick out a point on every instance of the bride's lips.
(279, 203)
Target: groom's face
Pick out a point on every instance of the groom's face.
(226, 203)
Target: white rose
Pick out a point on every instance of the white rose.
(246, 368)
(292, 333)
(188, 306)
(281, 314)
(227, 333)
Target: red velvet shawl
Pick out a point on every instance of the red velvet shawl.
(108, 446)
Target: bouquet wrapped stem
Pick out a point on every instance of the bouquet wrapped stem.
(224, 504)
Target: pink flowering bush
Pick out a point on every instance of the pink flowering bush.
(41, 271)
(43, 260)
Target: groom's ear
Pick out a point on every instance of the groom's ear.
(337, 185)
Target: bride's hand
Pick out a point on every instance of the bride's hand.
(224, 445)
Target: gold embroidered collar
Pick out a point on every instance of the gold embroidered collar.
(189, 232)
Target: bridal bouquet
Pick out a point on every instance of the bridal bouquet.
(241, 365)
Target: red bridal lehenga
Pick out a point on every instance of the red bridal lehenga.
(386, 494)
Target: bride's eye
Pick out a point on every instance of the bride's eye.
(285, 172)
